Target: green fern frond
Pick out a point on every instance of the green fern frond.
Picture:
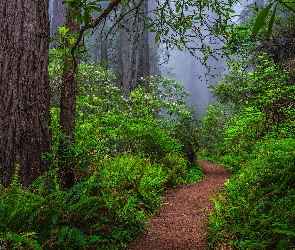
(20, 241)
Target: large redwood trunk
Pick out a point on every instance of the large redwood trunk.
(24, 89)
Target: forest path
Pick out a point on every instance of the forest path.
(178, 223)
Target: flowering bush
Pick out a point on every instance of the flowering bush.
(152, 121)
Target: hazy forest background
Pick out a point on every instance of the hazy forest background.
(93, 130)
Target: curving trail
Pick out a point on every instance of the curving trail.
(178, 224)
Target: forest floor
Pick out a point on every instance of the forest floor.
(179, 223)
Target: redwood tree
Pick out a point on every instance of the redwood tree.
(24, 89)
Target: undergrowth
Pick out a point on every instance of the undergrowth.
(251, 131)
(128, 151)
(257, 208)
(105, 211)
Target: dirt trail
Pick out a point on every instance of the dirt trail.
(178, 224)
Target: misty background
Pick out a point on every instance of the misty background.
(131, 53)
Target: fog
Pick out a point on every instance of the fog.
(180, 65)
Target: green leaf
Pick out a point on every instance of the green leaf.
(157, 38)
(271, 22)
(205, 58)
(63, 30)
(62, 233)
(260, 20)
(87, 16)
(79, 18)
(178, 8)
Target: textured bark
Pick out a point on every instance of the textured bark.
(68, 114)
(24, 89)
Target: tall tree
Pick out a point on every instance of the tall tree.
(24, 89)
(133, 49)
(24, 81)
(68, 110)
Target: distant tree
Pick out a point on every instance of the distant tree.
(181, 24)
(24, 89)
(133, 51)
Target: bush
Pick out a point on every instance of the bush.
(153, 121)
(211, 132)
(113, 204)
(257, 210)
(175, 168)
(105, 211)
(26, 217)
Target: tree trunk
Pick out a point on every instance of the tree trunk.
(24, 89)
(68, 115)
(133, 53)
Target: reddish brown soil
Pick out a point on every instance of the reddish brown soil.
(178, 224)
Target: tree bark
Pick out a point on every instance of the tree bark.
(24, 89)
(68, 114)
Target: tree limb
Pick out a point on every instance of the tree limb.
(112, 5)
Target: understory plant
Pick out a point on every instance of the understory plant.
(256, 209)
(128, 150)
(252, 104)
(104, 211)
(212, 132)
(153, 121)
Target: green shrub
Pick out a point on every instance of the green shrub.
(112, 206)
(23, 240)
(27, 217)
(127, 151)
(152, 121)
(243, 131)
(175, 168)
(105, 211)
(257, 210)
(211, 132)
(194, 174)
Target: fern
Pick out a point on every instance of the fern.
(20, 241)
(71, 237)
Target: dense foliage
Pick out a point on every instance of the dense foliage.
(128, 151)
(251, 130)
(257, 210)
